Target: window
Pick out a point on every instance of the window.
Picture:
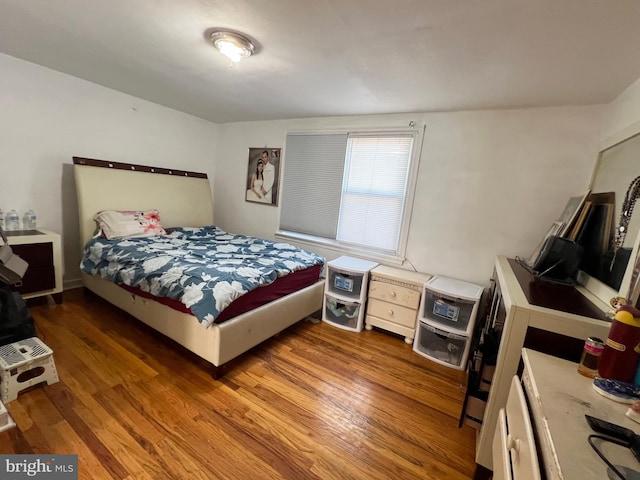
(350, 190)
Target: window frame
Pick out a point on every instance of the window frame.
(412, 177)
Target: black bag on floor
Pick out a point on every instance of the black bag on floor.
(16, 323)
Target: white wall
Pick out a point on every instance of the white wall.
(623, 111)
(490, 182)
(47, 117)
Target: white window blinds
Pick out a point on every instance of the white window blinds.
(312, 184)
(373, 193)
(347, 188)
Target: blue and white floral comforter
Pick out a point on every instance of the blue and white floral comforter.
(204, 268)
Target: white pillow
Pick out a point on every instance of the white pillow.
(129, 223)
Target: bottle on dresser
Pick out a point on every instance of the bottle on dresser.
(33, 219)
(12, 220)
(29, 220)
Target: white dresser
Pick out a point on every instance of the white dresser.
(514, 445)
(559, 397)
(523, 320)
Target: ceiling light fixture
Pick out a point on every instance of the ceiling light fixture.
(231, 44)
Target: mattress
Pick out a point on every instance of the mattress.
(204, 268)
(281, 287)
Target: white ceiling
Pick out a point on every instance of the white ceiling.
(336, 57)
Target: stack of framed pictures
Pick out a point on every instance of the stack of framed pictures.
(563, 226)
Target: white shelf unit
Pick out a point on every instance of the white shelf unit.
(345, 292)
(447, 315)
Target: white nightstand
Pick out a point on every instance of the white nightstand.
(41, 249)
(394, 300)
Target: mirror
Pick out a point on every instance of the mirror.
(617, 166)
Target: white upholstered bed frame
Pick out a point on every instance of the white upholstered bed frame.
(183, 199)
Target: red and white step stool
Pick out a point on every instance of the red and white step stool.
(24, 364)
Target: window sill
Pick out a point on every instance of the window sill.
(341, 248)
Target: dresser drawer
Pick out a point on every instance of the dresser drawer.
(397, 294)
(521, 442)
(392, 313)
(500, 452)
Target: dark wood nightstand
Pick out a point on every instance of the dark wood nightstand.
(42, 250)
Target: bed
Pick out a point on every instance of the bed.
(184, 200)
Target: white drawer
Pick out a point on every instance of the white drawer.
(500, 450)
(408, 332)
(392, 313)
(520, 439)
(395, 294)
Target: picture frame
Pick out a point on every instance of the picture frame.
(570, 212)
(263, 175)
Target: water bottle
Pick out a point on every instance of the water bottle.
(25, 221)
(2, 219)
(29, 220)
(13, 220)
(32, 220)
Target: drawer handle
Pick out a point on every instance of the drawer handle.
(513, 444)
(392, 294)
(391, 313)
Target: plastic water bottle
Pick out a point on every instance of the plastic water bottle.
(1, 219)
(13, 220)
(25, 221)
(32, 219)
(29, 220)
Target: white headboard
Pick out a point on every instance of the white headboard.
(182, 198)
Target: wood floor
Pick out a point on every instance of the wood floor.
(314, 402)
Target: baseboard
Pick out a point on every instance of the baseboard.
(71, 284)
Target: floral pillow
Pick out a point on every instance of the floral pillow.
(129, 223)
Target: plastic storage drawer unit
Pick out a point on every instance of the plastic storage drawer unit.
(344, 283)
(345, 292)
(441, 346)
(451, 304)
(342, 313)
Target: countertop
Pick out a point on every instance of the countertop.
(559, 398)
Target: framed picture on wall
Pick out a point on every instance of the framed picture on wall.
(263, 175)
